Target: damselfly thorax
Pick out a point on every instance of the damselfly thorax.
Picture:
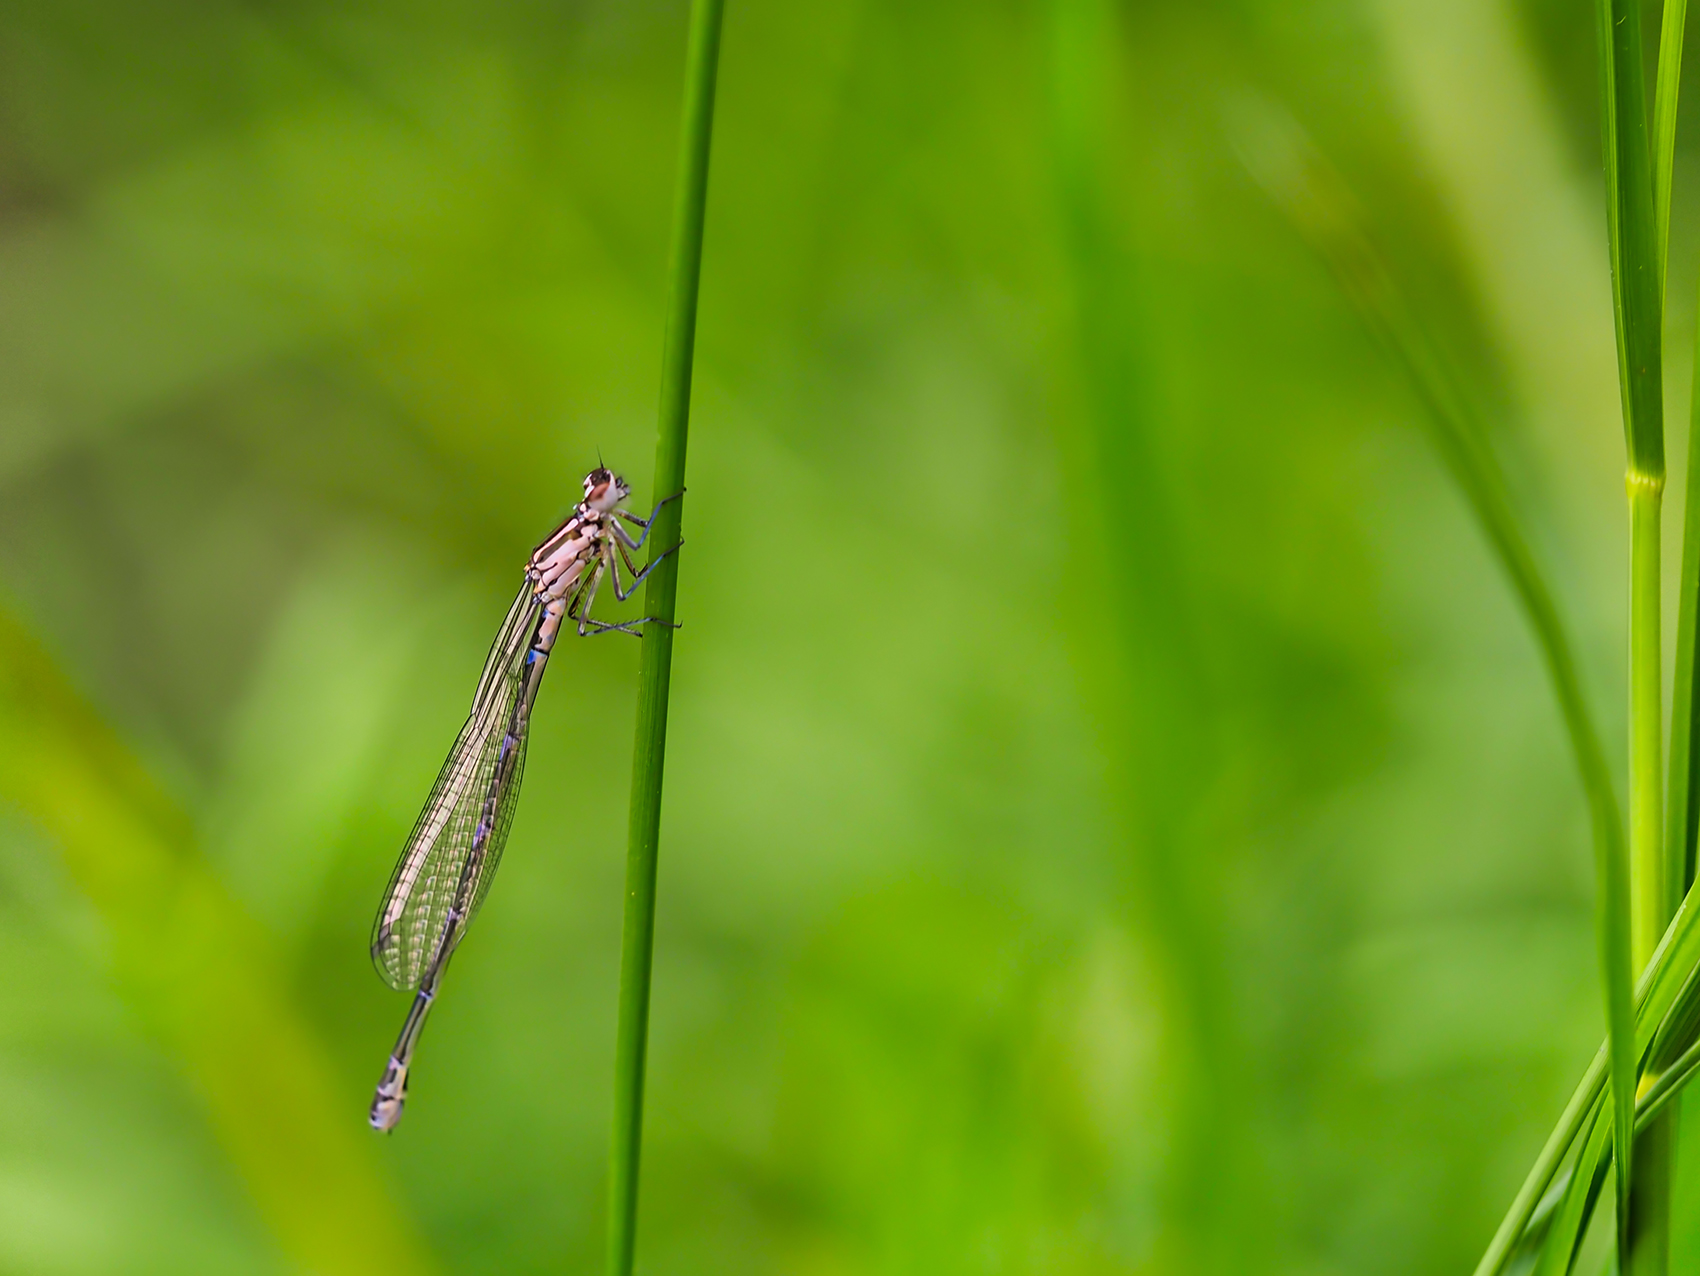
(445, 870)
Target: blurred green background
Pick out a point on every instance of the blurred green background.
(1116, 819)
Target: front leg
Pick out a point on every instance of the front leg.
(644, 523)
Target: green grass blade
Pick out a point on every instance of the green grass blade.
(1564, 1235)
(200, 975)
(1665, 90)
(1670, 1082)
(1682, 818)
(1681, 822)
(1579, 1114)
(1630, 225)
(649, 749)
(1667, 1007)
(1669, 990)
(1667, 1014)
(1649, 1108)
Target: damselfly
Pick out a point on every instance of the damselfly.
(445, 871)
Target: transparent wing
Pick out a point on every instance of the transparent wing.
(415, 908)
(506, 800)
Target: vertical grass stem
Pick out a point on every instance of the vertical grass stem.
(1637, 260)
(649, 749)
(1651, 877)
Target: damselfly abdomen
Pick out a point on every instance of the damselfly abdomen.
(445, 870)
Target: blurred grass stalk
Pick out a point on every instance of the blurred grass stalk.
(200, 973)
(637, 948)
(1151, 697)
(1315, 199)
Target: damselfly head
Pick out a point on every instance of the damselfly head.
(604, 489)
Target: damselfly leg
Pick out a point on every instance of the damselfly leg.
(588, 626)
(638, 577)
(579, 608)
(644, 523)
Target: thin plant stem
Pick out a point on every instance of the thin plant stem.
(649, 750)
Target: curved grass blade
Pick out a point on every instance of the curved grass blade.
(1315, 199)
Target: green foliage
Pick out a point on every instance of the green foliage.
(1117, 818)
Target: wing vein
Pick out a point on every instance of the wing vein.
(415, 916)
